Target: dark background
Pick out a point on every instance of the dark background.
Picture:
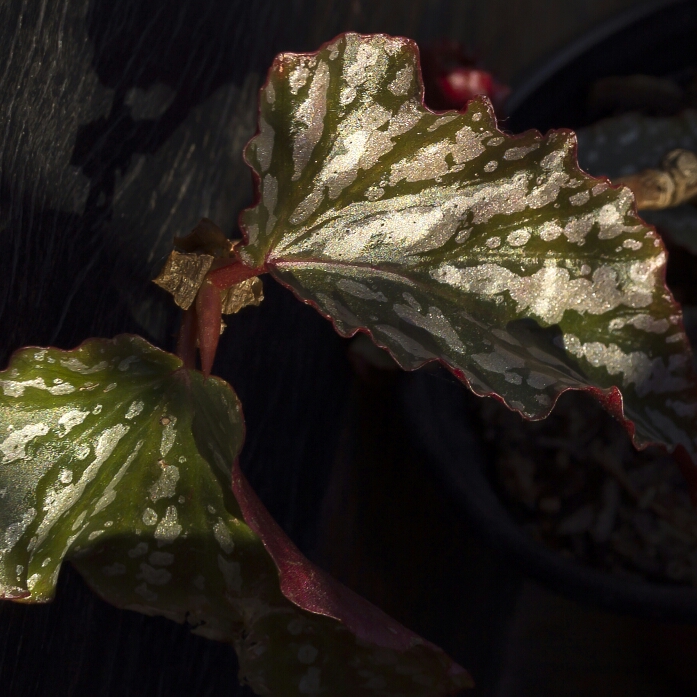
(121, 124)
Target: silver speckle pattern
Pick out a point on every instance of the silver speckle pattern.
(168, 529)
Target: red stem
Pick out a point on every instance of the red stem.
(209, 312)
(186, 343)
(232, 273)
(202, 320)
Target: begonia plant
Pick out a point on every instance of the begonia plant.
(437, 234)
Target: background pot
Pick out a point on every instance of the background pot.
(444, 421)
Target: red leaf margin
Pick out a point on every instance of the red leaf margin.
(313, 589)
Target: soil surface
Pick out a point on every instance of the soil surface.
(575, 482)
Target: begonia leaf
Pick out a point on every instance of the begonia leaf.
(446, 239)
(116, 458)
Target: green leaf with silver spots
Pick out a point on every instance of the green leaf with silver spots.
(114, 457)
(447, 239)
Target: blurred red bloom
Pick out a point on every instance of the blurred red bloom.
(452, 77)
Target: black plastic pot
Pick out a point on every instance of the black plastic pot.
(442, 419)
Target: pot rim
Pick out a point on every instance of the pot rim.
(525, 86)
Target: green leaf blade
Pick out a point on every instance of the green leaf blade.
(446, 239)
(115, 458)
(114, 484)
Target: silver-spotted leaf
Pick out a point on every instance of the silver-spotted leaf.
(447, 239)
(114, 457)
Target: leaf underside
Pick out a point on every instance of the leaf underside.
(116, 458)
(446, 239)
